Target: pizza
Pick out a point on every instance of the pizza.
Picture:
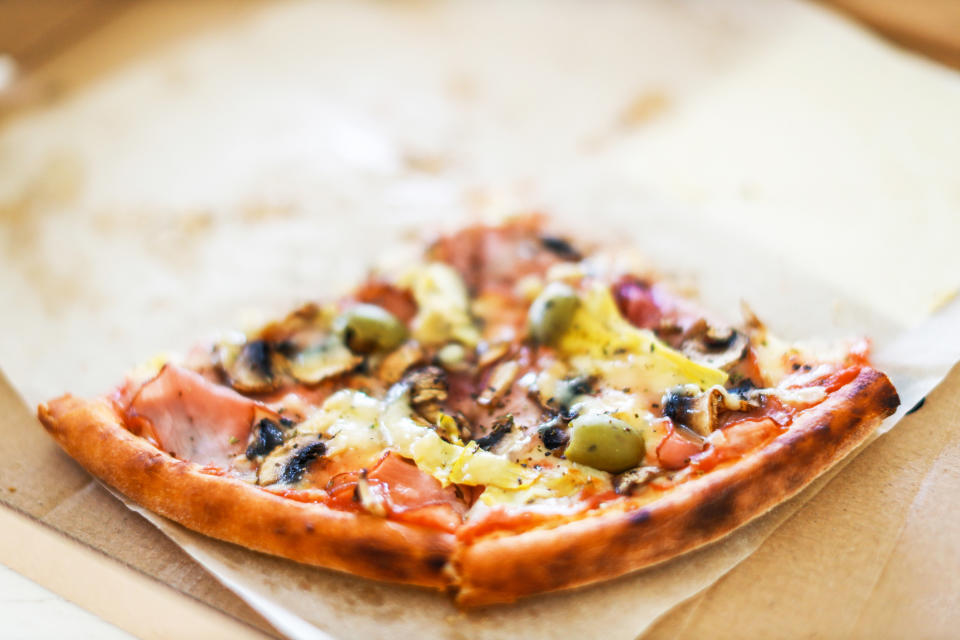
(513, 412)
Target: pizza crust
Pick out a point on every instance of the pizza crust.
(495, 569)
(92, 432)
(500, 568)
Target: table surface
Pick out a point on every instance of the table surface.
(33, 611)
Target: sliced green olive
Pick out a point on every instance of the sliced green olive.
(604, 442)
(367, 327)
(551, 312)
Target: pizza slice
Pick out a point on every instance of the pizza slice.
(510, 414)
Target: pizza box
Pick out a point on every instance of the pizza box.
(870, 555)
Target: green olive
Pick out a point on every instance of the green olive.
(604, 442)
(551, 312)
(367, 327)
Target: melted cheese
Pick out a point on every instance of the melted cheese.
(349, 419)
(443, 305)
(599, 341)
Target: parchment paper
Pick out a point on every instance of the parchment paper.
(271, 159)
(293, 597)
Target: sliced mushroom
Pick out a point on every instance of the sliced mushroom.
(717, 347)
(428, 390)
(266, 436)
(700, 411)
(369, 499)
(499, 383)
(287, 464)
(305, 324)
(501, 427)
(631, 482)
(490, 353)
(553, 434)
(397, 362)
(254, 366)
(327, 359)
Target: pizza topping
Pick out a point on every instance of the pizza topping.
(397, 362)
(193, 418)
(553, 435)
(496, 257)
(505, 373)
(639, 303)
(604, 442)
(500, 428)
(399, 302)
(633, 481)
(560, 247)
(551, 312)
(443, 313)
(678, 447)
(267, 436)
(396, 488)
(598, 331)
(452, 356)
(700, 411)
(499, 383)
(369, 499)
(288, 463)
(367, 328)
(736, 440)
(325, 360)
(298, 462)
(428, 391)
(250, 366)
(720, 348)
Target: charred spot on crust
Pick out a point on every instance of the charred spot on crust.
(388, 561)
(822, 431)
(560, 247)
(715, 511)
(892, 400)
(436, 561)
(299, 462)
(639, 517)
(267, 436)
(500, 428)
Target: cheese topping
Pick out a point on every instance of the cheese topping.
(548, 362)
(443, 303)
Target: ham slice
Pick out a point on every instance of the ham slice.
(192, 418)
(408, 494)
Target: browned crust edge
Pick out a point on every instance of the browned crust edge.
(502, 569)
(92, 432)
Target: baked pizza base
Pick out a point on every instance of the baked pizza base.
(497, 568)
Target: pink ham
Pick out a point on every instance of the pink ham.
(194, 419)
